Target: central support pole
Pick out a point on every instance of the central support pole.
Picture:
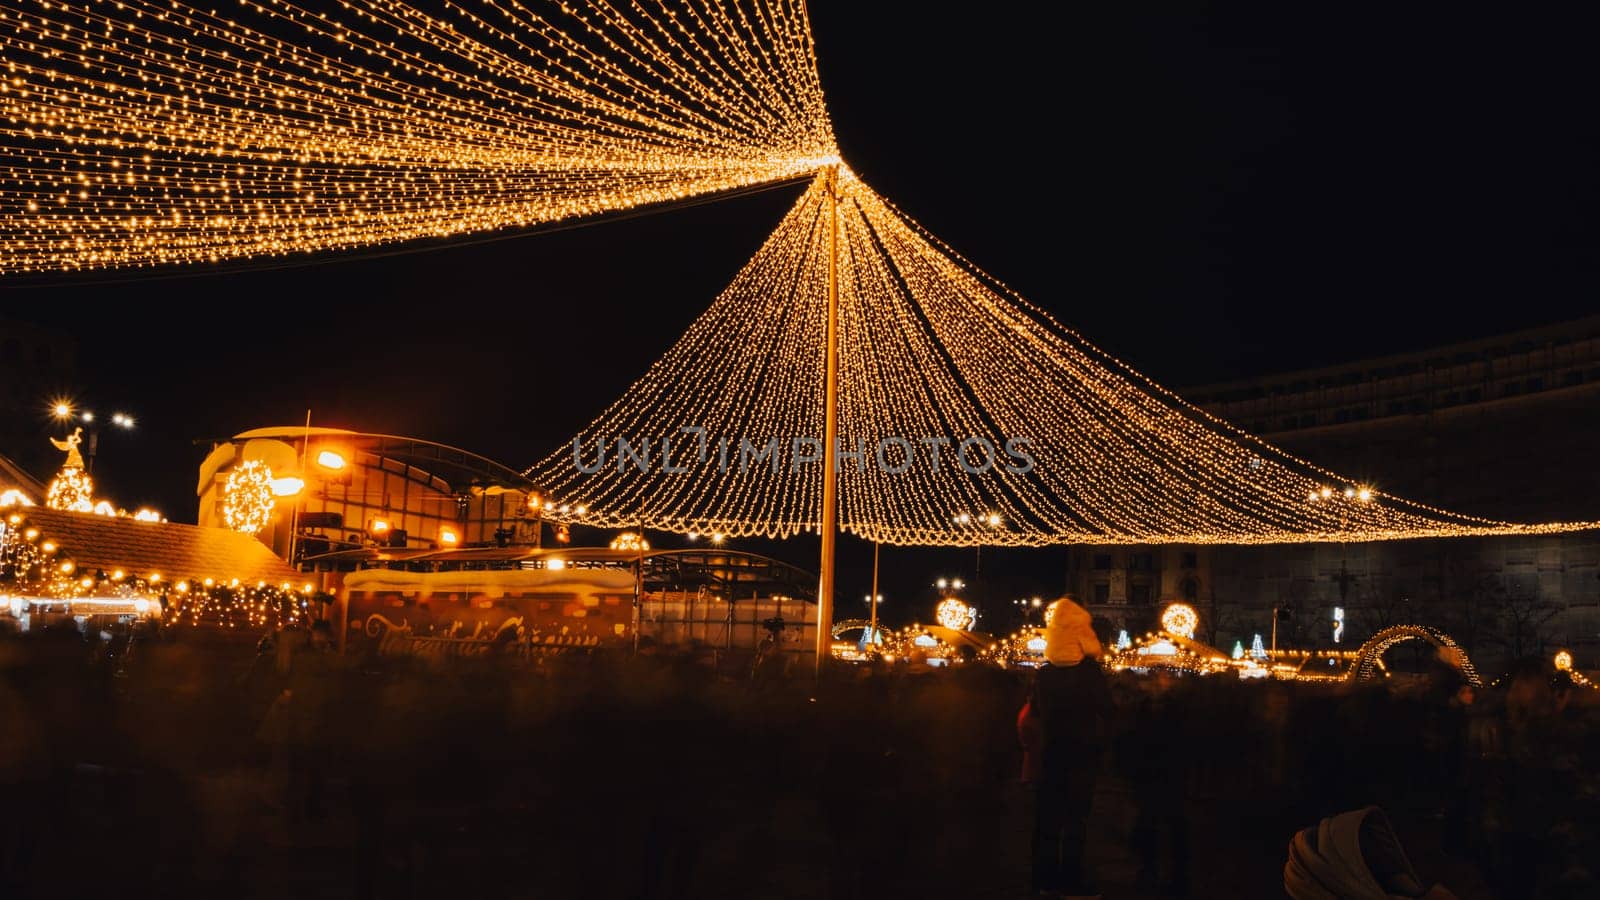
(872, 632)
(830, 432)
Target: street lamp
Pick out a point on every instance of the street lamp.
(989, 519)
(63, 411)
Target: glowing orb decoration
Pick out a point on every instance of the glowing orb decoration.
(1563, 661)
(72, 490)
(630, 541)
(953, 613)
(1180, 619)
(247, 497)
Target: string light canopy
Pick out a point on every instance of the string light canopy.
(145, 133)
(148, 132)
(955, 395)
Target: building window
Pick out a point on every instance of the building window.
(1141, 562)
(1139, 593)
(1191, 559)
(1102, 561)
(1102, 592)
(1191, 590)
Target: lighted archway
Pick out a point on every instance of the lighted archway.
(1365, 667)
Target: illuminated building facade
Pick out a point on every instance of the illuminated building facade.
(1503, 428)
(308, 492)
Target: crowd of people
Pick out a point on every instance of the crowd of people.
(196, 766)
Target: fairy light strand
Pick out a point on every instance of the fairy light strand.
(930, 346)
(147, 133)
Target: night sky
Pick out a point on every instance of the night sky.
(1209, 194)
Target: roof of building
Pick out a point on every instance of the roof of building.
(172, 549)
(12, 477)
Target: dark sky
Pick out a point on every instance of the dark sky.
(1208, 193)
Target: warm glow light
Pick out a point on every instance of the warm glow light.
(555, 565)
(379, 526)
(1563, 661)
(630, 541)
(13, 497)
(448, 537)
(247, 497)
(953, 613)
(71, 490)
(146, 133)
(146, 514)
(61, 409)
(329, 459)
(287, 486)
(1180, 619)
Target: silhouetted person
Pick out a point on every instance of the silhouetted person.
(1073, 703)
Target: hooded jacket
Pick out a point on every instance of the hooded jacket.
(1069, 637)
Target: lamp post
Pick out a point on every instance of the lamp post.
(990, 520)
(63, 411)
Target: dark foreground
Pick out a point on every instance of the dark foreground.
(174, 772)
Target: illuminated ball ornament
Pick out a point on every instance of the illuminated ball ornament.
(953, 613)
(1180, 619)
(1563, 661)
(629, 541)
(247, 497)
(72, 490)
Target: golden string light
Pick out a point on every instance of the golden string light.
(149, 132)
(72, 489)
(943, 373)
(247, 497)
(39, 575)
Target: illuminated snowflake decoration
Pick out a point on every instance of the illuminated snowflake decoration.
(1180, 619)
(247, 497)
(953, 613)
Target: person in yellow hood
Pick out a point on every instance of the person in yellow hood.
(1073, 703)
(1068, 635)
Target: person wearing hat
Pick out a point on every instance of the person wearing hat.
(1073, 703)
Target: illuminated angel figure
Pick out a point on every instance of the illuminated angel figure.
(70, 448)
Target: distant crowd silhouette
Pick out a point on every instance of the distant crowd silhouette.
(193, 764)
